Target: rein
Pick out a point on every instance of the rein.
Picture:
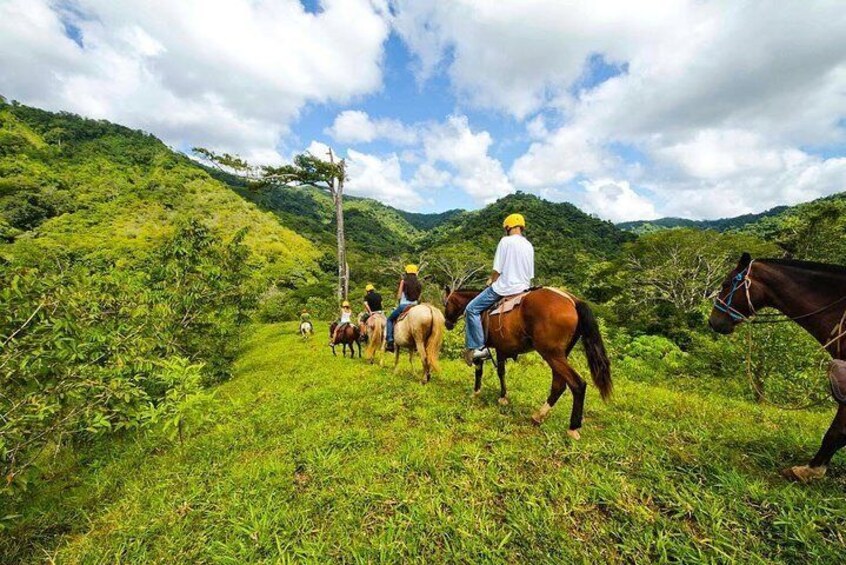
(743, 280)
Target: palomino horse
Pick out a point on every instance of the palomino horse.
(375, 330)
(811, 294)
(550, 322)
(420, 328)
(347, 336)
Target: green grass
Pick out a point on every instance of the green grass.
(306, 457)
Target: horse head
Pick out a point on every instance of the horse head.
(738, 298)
(455, 302)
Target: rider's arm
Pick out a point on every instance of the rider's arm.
(399, 291)
(367, 307)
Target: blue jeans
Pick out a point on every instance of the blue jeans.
(392, 319)
(474, 334)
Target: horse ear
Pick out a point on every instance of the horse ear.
(745, 259)
(447, 290)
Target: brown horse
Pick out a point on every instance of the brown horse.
(811, 294)
(420, 329)
(347, 336)
(550, 322)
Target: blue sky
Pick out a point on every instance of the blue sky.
(692, 109)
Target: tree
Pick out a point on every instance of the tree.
(306, 170)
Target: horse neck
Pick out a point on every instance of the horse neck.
(465, 296)
(797, 292)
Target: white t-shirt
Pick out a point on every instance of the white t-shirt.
(345, 317)
(515, 263)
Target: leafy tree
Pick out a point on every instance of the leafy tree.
(306, 170)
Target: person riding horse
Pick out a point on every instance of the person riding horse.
(372, 301)
(513, 271)
(306, 327)
(408, 293)
(346, 319)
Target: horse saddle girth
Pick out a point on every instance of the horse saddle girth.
(837, 377)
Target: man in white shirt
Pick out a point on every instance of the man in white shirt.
(513, 271)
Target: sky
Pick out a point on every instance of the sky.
(630, 110)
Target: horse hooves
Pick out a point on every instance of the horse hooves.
(804, 473)
(574, 434)
(503, 401)
(536, 420)
(476, 393)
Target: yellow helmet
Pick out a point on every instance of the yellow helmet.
(411, 269)
(369, 287)
(514, 221)
(346, 304)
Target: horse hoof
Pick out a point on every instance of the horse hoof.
(476, 393)
(503, 401)
(804, 473)
(574, 434)
(537, 420)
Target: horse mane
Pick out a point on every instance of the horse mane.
(813, 266)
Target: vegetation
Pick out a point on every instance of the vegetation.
(309, 458)
(130, 277)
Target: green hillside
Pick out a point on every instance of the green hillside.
(148, 414)
(307, 458)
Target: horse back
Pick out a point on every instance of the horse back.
(544, 318)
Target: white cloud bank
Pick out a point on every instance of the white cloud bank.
(230, 75)
(718, 98)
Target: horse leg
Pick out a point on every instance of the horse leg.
(359, 349)
(396, 359)
(421, 350)
(500, 372)
(558, 364)
(477, 388)
(834, 439)
(334, 353)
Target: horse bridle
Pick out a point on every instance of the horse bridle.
(740, 280)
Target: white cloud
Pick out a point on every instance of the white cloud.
(380, 178)
(355, 126)
(616, 201)
(477, 173)
(718, 99)
(227, 75)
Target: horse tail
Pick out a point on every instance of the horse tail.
(597, 357)
(436, 339)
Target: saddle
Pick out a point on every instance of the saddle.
(509, 303)
(404, 313)
(837, 377)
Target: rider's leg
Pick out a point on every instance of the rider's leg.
(391, 321)
(474, 334)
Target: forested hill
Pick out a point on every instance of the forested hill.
(721, 225)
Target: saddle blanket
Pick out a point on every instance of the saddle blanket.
(404, 313)
(509, 303)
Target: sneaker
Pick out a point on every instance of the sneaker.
(482, 354)
(389, 346)
(473, 356)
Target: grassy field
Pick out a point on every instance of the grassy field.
(306, 457)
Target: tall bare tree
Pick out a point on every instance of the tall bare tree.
(306, 169)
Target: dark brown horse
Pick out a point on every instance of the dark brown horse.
(811, 294)
(550, 322)
(348, 335)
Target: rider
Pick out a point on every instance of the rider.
(304, 316)
(346, 317)
(513, 271)
(372, 300)
(408, 294)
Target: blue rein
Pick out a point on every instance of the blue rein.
(740, 280)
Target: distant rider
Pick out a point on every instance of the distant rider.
(513, 271)
(346, 317)
(372, 301)
(408, 294)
